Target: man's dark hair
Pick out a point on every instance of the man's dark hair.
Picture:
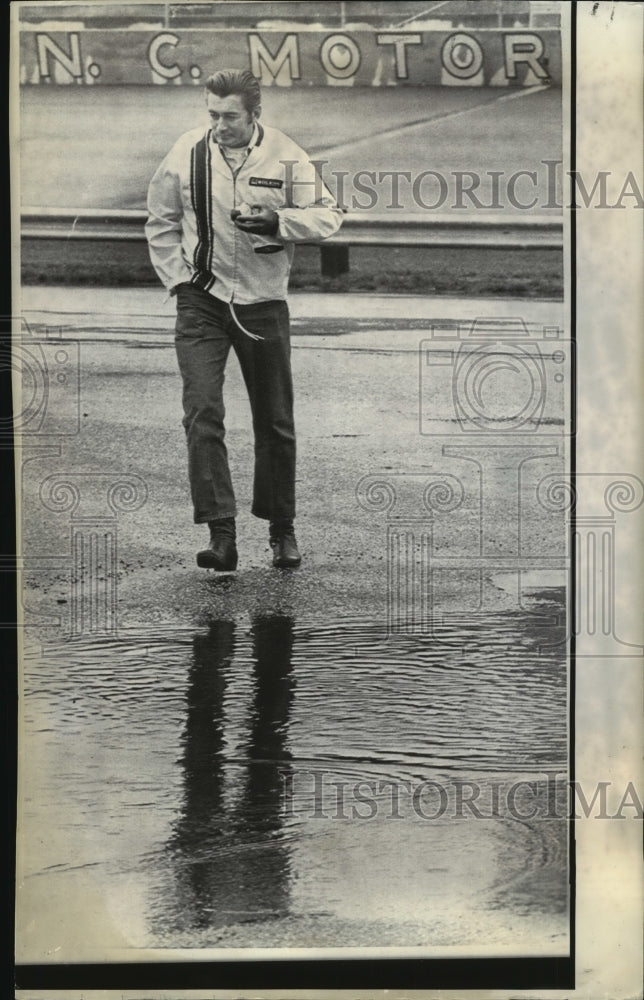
(236, 81)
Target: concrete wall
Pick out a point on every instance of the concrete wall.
(298, 58)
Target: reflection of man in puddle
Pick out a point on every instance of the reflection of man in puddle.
(230, 863)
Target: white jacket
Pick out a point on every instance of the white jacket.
(191, 235)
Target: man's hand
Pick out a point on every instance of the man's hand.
(261, 221)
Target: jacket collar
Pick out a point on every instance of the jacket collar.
(256, 138)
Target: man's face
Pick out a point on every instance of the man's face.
(231, 124)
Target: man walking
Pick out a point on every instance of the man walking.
(225, 208)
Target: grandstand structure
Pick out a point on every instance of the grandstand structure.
(249, 14)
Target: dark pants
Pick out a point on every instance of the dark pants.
(205, 332)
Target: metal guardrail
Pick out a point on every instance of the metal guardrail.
(409, 229)
(358, 229)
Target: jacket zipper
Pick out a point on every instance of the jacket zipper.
(253, 336)
(234, 174)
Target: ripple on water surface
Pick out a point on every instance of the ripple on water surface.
(206, 766)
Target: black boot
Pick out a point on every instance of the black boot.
(221, 553)
(283, 544)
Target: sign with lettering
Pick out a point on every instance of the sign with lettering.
(293, 58)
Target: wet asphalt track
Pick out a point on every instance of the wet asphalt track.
(194, 753)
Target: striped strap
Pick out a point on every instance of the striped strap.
(200, 193)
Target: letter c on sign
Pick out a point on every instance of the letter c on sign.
(462, 56)
(169, 72)
(340, 56)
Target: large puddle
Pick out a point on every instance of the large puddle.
(274, 781)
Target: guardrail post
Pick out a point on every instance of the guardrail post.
(334, 260)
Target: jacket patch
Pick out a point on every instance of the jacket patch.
(266, 182)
